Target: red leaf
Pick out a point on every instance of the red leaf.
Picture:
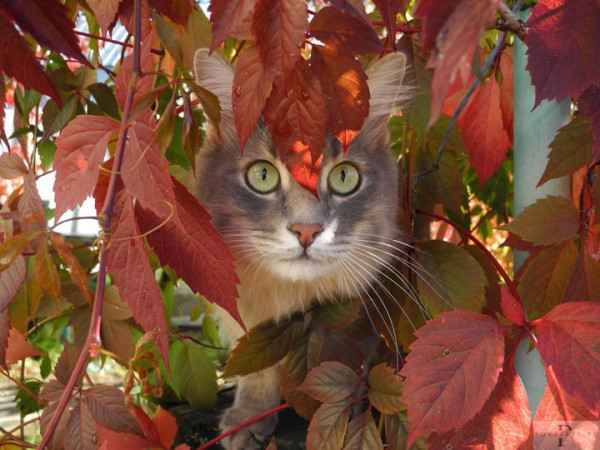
(75, 270)
(295, 118)
(511, 307)
(144, 83)
(105, 12)
(563, 43)
(3, 101)
(455, 28)
(388, 10)
(503, 423)
(511, 421)
(11, 280)
(166, 425)
(101, 188)
(177, 10)
(148, 427)
(12, 165)
(230, 18)
(195, 250)
(18, 61)
(584, 284)
(107, 406)
(278, 27)
(48, 23)
(568, 339)
(81, 148)
(251, 88)
(144, 172)
(129, 266)
(81, 429)
(556, 410)
(344, 31)
(18, 348)
(108, 440)
(347, 91)
(589, 103)
(451, 371)
(483, 130)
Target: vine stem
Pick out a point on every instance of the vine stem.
(24, 388)
(244, 425)
(93, 337)
(511, 287)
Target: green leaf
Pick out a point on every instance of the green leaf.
(54, 118)
(396, 432)
(26, 404)
(550, 220)
(571, 149)
(169, 36)
(386, 388)
(105, 98)
(362, 434)
(328, 426)
(46, 149)
(264, 346)
(193, 373)
(450, 278)
(195, 35)
(331, 382)
(209, 328)
(302, 358)
(27, 101)
(545, 277)
(337, 316)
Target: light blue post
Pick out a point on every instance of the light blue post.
(533, 133)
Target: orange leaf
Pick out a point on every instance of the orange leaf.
(18, 348)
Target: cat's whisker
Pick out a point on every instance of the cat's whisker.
(406, 288)
(388, 325)
(412, 264)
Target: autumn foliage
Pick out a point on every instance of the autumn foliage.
(442, 372)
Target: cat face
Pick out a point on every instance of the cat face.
(272, 223)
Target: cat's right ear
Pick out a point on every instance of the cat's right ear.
(215, 74)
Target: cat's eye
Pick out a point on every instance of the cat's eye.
(263, 177)
(343, 179)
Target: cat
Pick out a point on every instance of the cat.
(293, 249)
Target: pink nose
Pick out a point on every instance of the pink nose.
(306, 232)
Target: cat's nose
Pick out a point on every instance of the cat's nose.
(306, 232)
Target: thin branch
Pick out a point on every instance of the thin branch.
(92, 340)
(463, 103)
(508, 21)
(243, 425)
(8, 434)
(113, 41)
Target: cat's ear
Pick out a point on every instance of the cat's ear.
(385, 87)
(215, 74)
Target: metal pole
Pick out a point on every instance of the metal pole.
(533, 133)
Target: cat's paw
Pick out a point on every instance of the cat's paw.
(252, 437)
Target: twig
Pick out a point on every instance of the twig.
(243, 425)
(463, 103)
(508, 21)
(93, 336)
(113, 41)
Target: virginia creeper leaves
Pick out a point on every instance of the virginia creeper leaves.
(385, 391)
(328, 426)
(264, 346)
(81, 148)
(331, 382)
(128, 264)
(568, 339)
(563, 35)
(550, 220)
(451, 371)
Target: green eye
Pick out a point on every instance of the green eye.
(262, 177)
(343, 179)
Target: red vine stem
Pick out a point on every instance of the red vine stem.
(244, 425)
(93, 336)
(113, 41)
(511, 287)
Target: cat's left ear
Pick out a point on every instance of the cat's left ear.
(215, 74)
(386, 89)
